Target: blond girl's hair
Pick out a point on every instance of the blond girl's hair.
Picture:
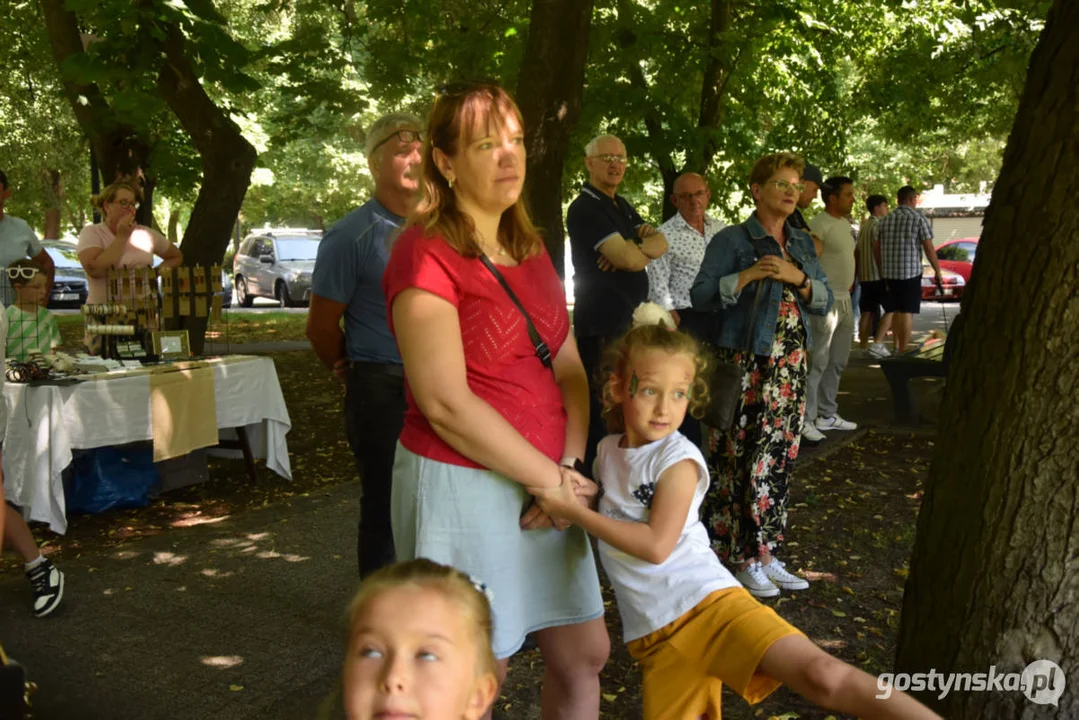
(660, 336)
(451, 583)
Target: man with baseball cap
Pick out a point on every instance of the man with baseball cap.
(811, 183)
(347, 283)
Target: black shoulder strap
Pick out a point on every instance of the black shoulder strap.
(542, 351)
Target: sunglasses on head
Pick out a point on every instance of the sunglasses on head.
(405, 136)
(26, 273)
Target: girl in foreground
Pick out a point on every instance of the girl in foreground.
(688, 622)
(419, 646)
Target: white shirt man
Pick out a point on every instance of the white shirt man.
(671, 276)
(832, 333)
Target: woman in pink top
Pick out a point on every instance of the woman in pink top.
(117, 241)
(487, 418)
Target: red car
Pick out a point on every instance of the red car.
(952, 284)
(958, 256)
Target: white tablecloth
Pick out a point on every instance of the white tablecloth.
(45, 423)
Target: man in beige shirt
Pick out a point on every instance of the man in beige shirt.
(833, 333)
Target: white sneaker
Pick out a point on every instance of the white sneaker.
(776, 572)
(810, 432)
(878, 351)
(756, 582)
(835, 423)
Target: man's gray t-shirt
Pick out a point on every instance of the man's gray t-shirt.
(17, 242)
(351, 259)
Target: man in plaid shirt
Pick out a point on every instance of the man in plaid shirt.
(903, 235)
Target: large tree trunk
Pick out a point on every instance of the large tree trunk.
(53, 211)
(549, 89)
(174, 226)
(227, 162)
(994, 578)
(117, 147)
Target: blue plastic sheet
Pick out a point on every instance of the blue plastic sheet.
(113, 477)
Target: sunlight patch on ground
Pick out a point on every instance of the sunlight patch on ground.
(168, 558)
(215, 573)
(223, 662)
(832, 644)
(193, 520)
(126, 554)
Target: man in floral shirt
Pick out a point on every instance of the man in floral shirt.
(671, 276)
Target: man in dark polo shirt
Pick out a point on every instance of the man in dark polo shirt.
(611, 247)
(347, 285)
(811, 183)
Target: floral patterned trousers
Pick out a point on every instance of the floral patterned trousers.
(745, 510)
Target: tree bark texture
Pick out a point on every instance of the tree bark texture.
(227, 161)
(118, 148)
(994, 577)
(55, 205)
(549, 90)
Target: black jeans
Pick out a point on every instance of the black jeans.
(374, 416)
(591, 349)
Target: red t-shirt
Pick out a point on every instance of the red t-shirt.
(500, 361)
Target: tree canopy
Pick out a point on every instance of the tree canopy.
(890, 92)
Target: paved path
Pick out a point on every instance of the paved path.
(234, 620)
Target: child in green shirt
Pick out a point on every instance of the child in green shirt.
(31, 327)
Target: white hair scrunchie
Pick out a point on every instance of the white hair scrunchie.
(649, 313)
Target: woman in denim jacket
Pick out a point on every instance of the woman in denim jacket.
(746, 507)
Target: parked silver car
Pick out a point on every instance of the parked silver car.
(276, 264)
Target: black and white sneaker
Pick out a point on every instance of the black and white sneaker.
(48, 585)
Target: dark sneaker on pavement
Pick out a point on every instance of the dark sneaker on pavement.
(48, 585)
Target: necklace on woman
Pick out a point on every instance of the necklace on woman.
(783, 248)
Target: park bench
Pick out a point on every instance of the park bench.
(901, 369)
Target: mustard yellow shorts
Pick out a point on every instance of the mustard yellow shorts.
(721, 640)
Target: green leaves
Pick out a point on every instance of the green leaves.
(889, 93)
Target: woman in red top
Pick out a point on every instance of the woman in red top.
(486, 419)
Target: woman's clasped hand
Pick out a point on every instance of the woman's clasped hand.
(556, 503)
(777, 268)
